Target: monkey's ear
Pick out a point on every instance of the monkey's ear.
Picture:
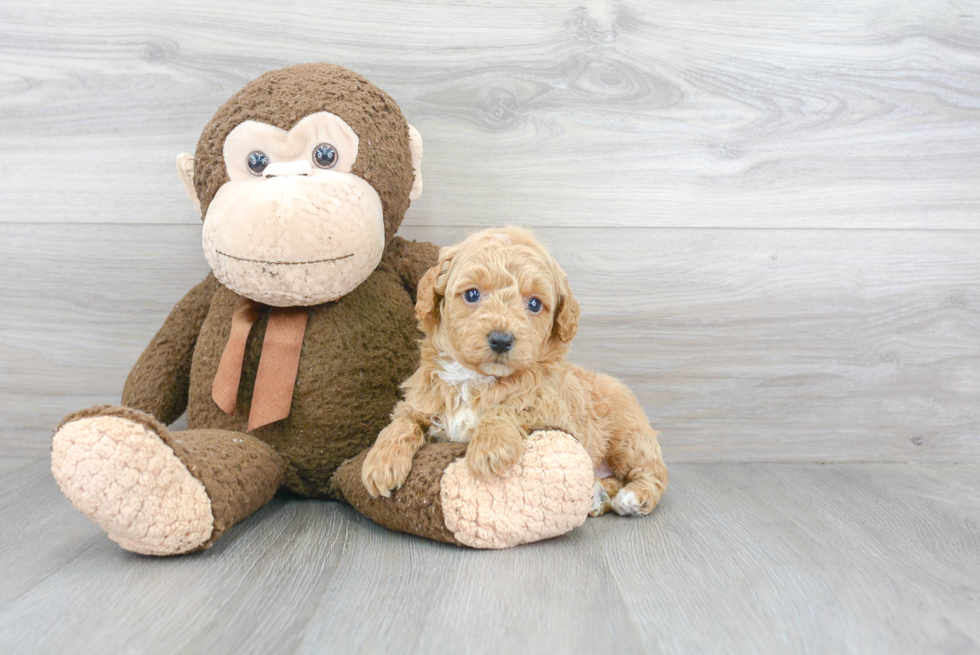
(415, 145)
(431, 289)
(185, 168)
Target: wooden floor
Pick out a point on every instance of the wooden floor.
(739, 558)
(769, 212)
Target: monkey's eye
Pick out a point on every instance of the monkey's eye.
(534, 305)
(325, 156)
(471, 295)
(257, 161)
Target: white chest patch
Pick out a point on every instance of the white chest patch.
(455, 426)
(460, 418)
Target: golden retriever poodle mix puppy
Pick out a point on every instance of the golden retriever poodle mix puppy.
(498, 315)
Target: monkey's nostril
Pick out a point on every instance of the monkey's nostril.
(500, 342)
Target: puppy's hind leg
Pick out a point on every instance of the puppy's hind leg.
(638, 497)
(602, 494)
(632, 451)
(646, 478)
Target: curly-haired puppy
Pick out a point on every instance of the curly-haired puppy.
(498, 315)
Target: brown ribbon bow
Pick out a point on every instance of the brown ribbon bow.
(278, 364)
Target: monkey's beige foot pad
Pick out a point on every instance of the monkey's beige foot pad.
(121, 474)
(548, 493)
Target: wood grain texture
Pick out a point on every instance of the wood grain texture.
(769, 212)
(742, 345)
(545, 112)
(554, 597)
(762, 558)
(831, 559)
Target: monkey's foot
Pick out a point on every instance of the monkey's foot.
(546, 494)
(113, 465)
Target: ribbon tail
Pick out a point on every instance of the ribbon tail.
(224, 389)
(275, 380)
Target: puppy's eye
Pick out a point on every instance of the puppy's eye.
(325, 155)
(534, 305)
(471, 295)
(257, 162)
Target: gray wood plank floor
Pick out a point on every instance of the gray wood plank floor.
(739, 558)
(768, 210)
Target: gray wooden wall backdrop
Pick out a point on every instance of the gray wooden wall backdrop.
(769, 210)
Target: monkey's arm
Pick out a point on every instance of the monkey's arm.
(411, 259)
(159, 382)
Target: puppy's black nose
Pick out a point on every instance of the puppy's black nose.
(500, 342)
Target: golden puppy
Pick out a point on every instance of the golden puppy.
(498, 315)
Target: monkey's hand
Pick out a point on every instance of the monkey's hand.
(390, 459)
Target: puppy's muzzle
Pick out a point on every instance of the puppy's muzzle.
(500, 342)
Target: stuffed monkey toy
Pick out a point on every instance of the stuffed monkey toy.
(288, 357)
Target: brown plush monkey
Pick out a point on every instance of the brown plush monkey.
(288, 357)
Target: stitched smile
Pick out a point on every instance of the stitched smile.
(265, 261)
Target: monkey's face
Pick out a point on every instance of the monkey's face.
(293, 226)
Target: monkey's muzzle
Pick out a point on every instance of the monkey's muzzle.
(294, 239)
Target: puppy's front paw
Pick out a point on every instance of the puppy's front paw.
(492, 456)
(385, 468)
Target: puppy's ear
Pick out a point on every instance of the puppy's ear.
(431, 289)
(567, 312)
